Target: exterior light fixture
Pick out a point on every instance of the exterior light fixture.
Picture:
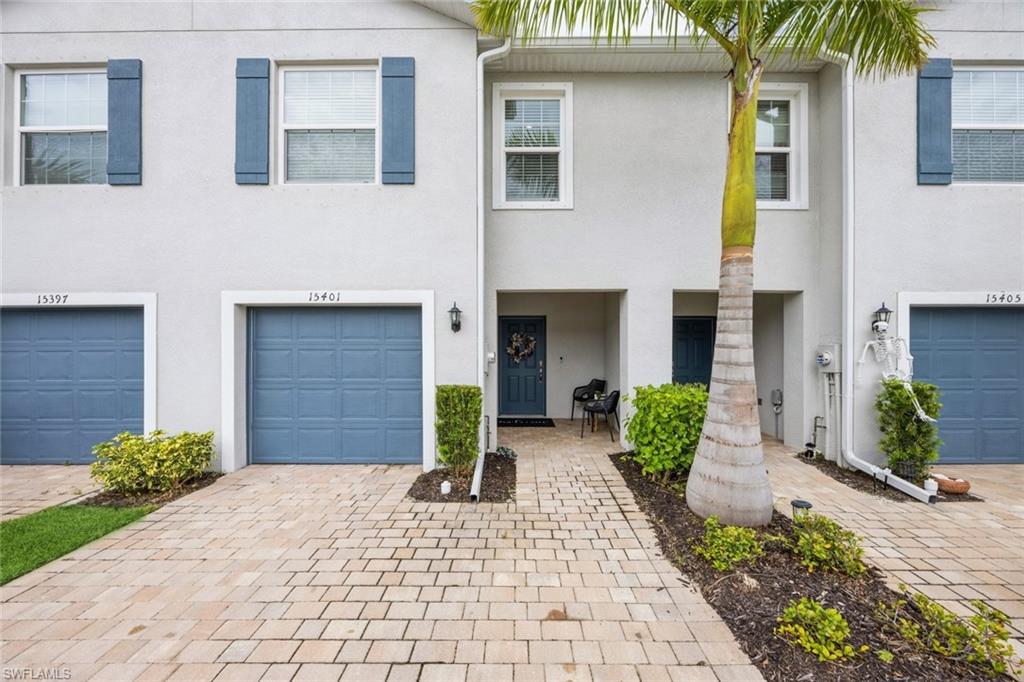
(456, 316)
(882, 314)
(800, 507)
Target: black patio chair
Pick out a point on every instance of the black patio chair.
(583, 394)
(606, 406)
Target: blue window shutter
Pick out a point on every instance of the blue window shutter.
(124, 122)
(935, 123)
(252, 122)
(398, 120)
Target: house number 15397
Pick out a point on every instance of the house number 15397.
(51, 299)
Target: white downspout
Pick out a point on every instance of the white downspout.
(481, 356)
(846, 454)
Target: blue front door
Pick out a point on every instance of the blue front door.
(335, 385)
(521, 383)
(976, 358)
(69, 378)
(693, 349)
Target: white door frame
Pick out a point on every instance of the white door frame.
(950, 299)
(144, 300)
(234, 433)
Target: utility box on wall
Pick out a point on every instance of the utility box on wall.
(827, 358)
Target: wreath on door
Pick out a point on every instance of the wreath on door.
(520, 346)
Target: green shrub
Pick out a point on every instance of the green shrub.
(822, 544)
(727, 546)
(458, 427)
(133, 464)
(665, 427)
(982, 640)
(818, 630)
(905, 438)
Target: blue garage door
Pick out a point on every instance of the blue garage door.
(335, 385)
(69, 378)
(976, 357)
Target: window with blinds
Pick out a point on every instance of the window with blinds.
(531, 152)
(988, 125)
(329, 120)
(773, 150)
(62, 128)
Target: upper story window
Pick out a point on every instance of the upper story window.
(329, 124)
(780, 158)
(532, 145)
(62, 127)
(988, 125)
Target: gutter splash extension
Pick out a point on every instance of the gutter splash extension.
(846, 454)
(481, 358)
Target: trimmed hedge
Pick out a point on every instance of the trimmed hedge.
(458, 426)
(905, 438)
(132, 464)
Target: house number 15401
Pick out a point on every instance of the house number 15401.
(324, 297)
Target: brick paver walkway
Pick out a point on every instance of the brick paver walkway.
(25, 489)
(953, 552)
(325, 572)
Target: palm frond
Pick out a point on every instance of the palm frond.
(884, 37)
(613, 20)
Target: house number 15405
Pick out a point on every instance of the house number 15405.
(1004, 297)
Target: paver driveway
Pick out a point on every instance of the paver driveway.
(27, 488)
(321, 572)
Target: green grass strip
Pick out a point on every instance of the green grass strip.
(28, 542)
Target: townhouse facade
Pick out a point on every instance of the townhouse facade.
(288, 222)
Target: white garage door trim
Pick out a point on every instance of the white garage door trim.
(931, 299)
(233, 436)
(145, 300)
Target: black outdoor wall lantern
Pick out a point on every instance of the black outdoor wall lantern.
(456, 316)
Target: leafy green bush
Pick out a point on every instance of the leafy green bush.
(665, 427)
(458, 427)
(822, 544)
(905, 438)
(727, 546)
(818, 630)
(133, 464)
(982, 640)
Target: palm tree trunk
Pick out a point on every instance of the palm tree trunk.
(728, 478)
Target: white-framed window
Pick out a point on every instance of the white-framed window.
(532, 133)
(61, 127)
(780, 161)
(329, 124)
(988, 124)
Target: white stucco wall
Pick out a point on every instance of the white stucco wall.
(955, 238)
(189, 232)
(648, 167)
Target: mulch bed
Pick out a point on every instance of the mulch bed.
(498, 484)
(107, 498)
(750, 600)
(858, 480)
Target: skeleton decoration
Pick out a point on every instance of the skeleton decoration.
(896, 361)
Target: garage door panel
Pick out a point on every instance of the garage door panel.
(401, 441)
(976, 357)
(71, 378)
(404, 403)
(316, 364)
(318, 403)
(403, 364)
(347, 362)
(360, 364)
